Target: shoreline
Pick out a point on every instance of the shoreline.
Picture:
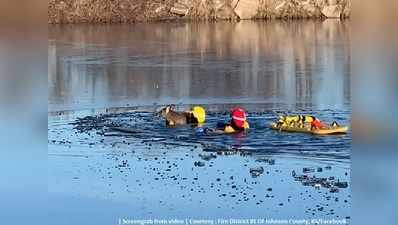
(128, 11)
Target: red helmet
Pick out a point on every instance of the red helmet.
(238, 117)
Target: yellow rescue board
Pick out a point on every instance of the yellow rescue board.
(323, 131)
(331, 130)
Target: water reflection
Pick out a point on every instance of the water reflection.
(304, 64)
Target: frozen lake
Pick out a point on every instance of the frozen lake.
(119, 75)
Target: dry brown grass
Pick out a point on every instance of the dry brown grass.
(108, 11)
(129, 11)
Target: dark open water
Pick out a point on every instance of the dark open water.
(120, 74)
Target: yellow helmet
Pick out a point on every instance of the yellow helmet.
(199, 113)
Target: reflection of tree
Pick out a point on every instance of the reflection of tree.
(287, 62)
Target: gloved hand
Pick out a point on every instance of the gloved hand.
(200, 130)
(203, 130)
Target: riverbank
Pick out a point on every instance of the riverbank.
(130, 11)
